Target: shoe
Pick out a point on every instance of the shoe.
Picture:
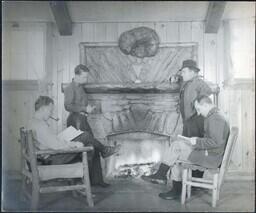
(159, 177)
(174, 194)
(110, 150)
(101, 184)
(171, 195)
(155, 178)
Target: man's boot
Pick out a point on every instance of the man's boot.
(159, 176)
(110, 150)
(197, 174)
(174, 194)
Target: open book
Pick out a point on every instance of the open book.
(69, 133)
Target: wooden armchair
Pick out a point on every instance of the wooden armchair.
(37, 174)
(218, 174)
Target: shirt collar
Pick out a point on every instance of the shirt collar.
(75, 83)
(195, 78)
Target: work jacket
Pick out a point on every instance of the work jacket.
(189, 92)
(209, 150)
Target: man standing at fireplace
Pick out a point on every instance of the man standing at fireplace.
(192, 87)
(206, 151)
(76, 102)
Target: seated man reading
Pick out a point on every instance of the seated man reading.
(207, 151)
(47, 139)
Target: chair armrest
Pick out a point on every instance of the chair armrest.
(62, 151)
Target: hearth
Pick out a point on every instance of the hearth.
(139, 154)
(134, 170)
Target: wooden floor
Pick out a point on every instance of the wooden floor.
(135, 195)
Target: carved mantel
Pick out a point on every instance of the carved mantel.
(118, 88)
(149, 87)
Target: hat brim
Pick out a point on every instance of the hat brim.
(196, 69)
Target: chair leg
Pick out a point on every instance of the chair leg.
(189, 186)
(35, 196)
(86, 180)
(23, 187)
(215, 190)
(218, 192)
(184, 186)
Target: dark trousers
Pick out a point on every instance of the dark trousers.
(72, 157)
(80, 122)
(194, 127)
(95, 171)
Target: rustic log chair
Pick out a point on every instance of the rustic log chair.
(218, 174)
(37, 174)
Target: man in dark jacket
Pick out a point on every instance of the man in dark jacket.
(76, 102)
(192, 87)
(205, 151)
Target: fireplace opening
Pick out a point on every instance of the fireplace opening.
(139, 154)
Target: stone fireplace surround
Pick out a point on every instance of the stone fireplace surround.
(142, 118)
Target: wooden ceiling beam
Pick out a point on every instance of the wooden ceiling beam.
(214, 15)
(62, 17)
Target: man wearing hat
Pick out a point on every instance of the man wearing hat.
(192, 87)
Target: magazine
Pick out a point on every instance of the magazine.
(69, 134)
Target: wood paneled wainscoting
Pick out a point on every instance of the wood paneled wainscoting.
(17, 108)
(237, 100)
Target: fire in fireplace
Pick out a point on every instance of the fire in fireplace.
(139, 154)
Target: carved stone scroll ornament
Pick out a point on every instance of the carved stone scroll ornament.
(139, 42)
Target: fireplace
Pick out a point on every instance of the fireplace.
(139, 153)
(136, 106)
(143, 120)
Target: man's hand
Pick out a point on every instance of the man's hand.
(79, 144)
(90, 108)
(174, 79)
(75, 144)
